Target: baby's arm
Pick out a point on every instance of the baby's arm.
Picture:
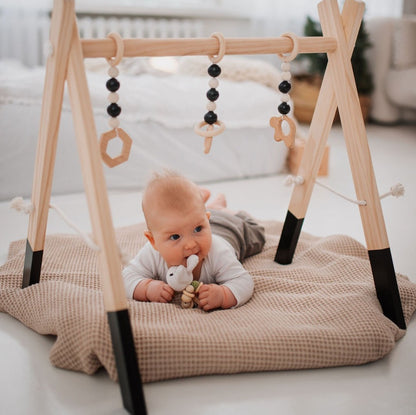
(229, 284)
(138, 278)
(153, 290)
(213, 296)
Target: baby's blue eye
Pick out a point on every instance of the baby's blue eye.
(174, 237)
(198, 229)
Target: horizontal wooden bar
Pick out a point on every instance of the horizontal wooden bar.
(106, 48)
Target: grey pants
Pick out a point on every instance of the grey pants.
(240, 230)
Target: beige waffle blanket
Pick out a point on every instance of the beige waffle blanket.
(319, 311)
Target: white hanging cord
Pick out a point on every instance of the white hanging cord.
(19, 204)
(397, 190)
(357, 202)
(298, 180)
(72, 225)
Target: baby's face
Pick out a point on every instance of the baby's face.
(180, 234)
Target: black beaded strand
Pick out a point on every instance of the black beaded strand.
(114, 110)
(113, 85)
(288, 136)
(211, 126)
(212, 94)
(284, 87)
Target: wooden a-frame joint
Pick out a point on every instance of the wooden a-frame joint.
(342, 78)
(323, 117)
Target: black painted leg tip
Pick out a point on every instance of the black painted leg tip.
(288, 239)
(283, 259)
(126, 362)
(32, 266)
(386, 285)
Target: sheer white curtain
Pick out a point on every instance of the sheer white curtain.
(273, 17)
(23, 22)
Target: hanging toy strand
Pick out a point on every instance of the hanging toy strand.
(114, 110)
(211, 119)
(284, 88)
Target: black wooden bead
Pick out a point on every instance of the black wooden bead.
(213, 94)
(214, 70)
(284, 87)
(112, 85)
(210, 117)
(283, 108)
(113, 110)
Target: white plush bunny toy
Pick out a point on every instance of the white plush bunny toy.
(178, 277)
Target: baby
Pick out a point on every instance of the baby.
(178, 226)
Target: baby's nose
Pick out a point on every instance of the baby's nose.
(190, 243)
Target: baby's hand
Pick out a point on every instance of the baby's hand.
(214, 296)
(210, 296)
(159, 291)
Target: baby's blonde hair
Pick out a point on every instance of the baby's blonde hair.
(169, 190)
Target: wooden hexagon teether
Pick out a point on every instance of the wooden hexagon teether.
(125, 150)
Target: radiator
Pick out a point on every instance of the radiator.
(24, 34)
(96, 27)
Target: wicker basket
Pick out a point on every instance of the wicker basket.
(305, 91)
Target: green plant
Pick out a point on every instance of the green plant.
(318, 61)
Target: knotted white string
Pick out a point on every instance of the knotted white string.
(397, 190)
(27, 207)
(19, 205)
(296, 180)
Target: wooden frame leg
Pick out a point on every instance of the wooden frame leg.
(342, 76)
(320, 127)
(56, 68)
(115, 301)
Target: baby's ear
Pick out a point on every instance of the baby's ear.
(149, 237)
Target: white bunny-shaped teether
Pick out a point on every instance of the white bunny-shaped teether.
(178, 277)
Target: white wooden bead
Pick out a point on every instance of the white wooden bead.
(286, 76)
(211, 106)
(113, 97)
(285, 97)
(285, 66)
(113, 122)
(112, 71)
(190, 288)
(213, 83)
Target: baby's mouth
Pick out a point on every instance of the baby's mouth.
(197, 254)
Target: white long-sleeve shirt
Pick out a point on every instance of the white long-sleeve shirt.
(221, 266)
